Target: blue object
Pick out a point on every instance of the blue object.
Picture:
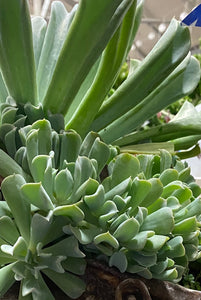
(194, 18)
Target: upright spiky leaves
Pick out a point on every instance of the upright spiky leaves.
(16, 50)
(94, 24)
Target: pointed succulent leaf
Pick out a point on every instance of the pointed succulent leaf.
(146, 164)
(51, 262)
(70, 146)
(21, 158)
(121, 202)
(141, 214)
(86, 167)
(44, 136)
(191, 252)
(169, 275)
(154, 193)
(118, 221)
(96, 200)
(39, 26)
(169, 58)
(127, 230)
(119, 189)
(185, 226)
(161, 221)
(8, 166)
(119, 260)
(161, 266)
(168, 175)
(170, 188)
(100, 152)
(75, 265)
(35, 194)
(106, 243)
(176, 130)
(39, 165)
(159, 203)
(89, 187)
(173, 248)
(85, 234)
(5, 260)
(8, 230)
(185, 174)
(32, 145)
(165, 160)
(72, 211)
(86, 85)
(102, 26)
(155, 242)
(55, 230)
(66, 247)
(10, 142)
(145, 260)
(183, 194)
(110, 65)
(20, 248)
(139, 190)
(88, 143)
(33, 113)
(190, 210)
(4, 209)
(124, 166)
(7, 249)
(195, 188)
(20, 209)
(27, 297)
(139, 241)
(70, 284)
(108, 210)
(52, 44)
(3, 90)
(40, 226)
(176, 85)
(23, 133)
(37, 288)
(8, 115)
(135, 268)
(138, 15)
(6, 278)
(18, 61)
(63, 185)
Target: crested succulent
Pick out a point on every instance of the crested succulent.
(70, 189)
(142, 215)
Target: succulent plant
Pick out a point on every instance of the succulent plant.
(141, 216)
(55, 76)
(68, 192)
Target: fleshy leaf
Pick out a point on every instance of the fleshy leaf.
(20, 209)
(119, 260)
(6, 278)
(70, 284)
(161, 221)
(35, 194)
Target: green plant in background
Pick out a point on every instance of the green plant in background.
(68, 192)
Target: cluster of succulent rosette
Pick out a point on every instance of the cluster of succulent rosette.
(68, 198)
(71, 187)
